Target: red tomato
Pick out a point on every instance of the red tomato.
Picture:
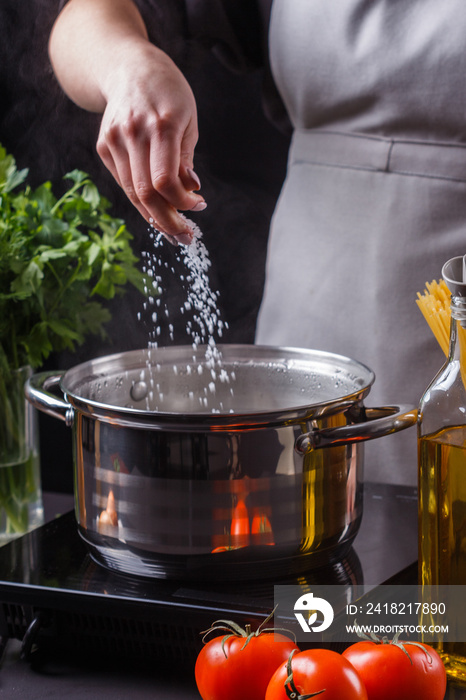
(239, 666)
(318, 672)
(388, 672)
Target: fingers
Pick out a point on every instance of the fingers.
(190, 180)
(154, 168)
(124, 180)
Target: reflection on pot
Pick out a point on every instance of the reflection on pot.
(332, 495)
(189, 504)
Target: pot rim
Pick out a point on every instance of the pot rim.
(93, 370)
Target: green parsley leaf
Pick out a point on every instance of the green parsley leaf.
(57, 258)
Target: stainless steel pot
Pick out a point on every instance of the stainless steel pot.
(187, 468)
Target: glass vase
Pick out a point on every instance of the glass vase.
(21, 507)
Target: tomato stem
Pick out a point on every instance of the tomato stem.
(395, 642)
(235, 630)
(291, 690)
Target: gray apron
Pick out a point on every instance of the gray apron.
(375, 197)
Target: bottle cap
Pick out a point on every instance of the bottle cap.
(454, 274)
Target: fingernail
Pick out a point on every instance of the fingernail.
(194, 177)
(170, 239)
(184, 238)
(200, 206)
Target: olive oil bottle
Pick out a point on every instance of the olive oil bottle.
(442, 470)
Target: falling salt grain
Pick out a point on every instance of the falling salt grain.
(201, 302)
(223, 376)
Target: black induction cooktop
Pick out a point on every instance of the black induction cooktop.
(54, 596)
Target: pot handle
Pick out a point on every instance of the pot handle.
(378, 422)
(37, 390)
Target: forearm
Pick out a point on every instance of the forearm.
(88, 40)
(105, 62)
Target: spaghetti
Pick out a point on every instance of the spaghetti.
(434, 304)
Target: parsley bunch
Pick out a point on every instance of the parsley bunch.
(57, 257)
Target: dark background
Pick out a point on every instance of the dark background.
(240, 158)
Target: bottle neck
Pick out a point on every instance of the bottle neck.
(458, 328)
(458, 308)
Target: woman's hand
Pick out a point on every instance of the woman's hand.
(148, 135)
(105, 63)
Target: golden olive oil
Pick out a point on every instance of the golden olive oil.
(442, 524)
